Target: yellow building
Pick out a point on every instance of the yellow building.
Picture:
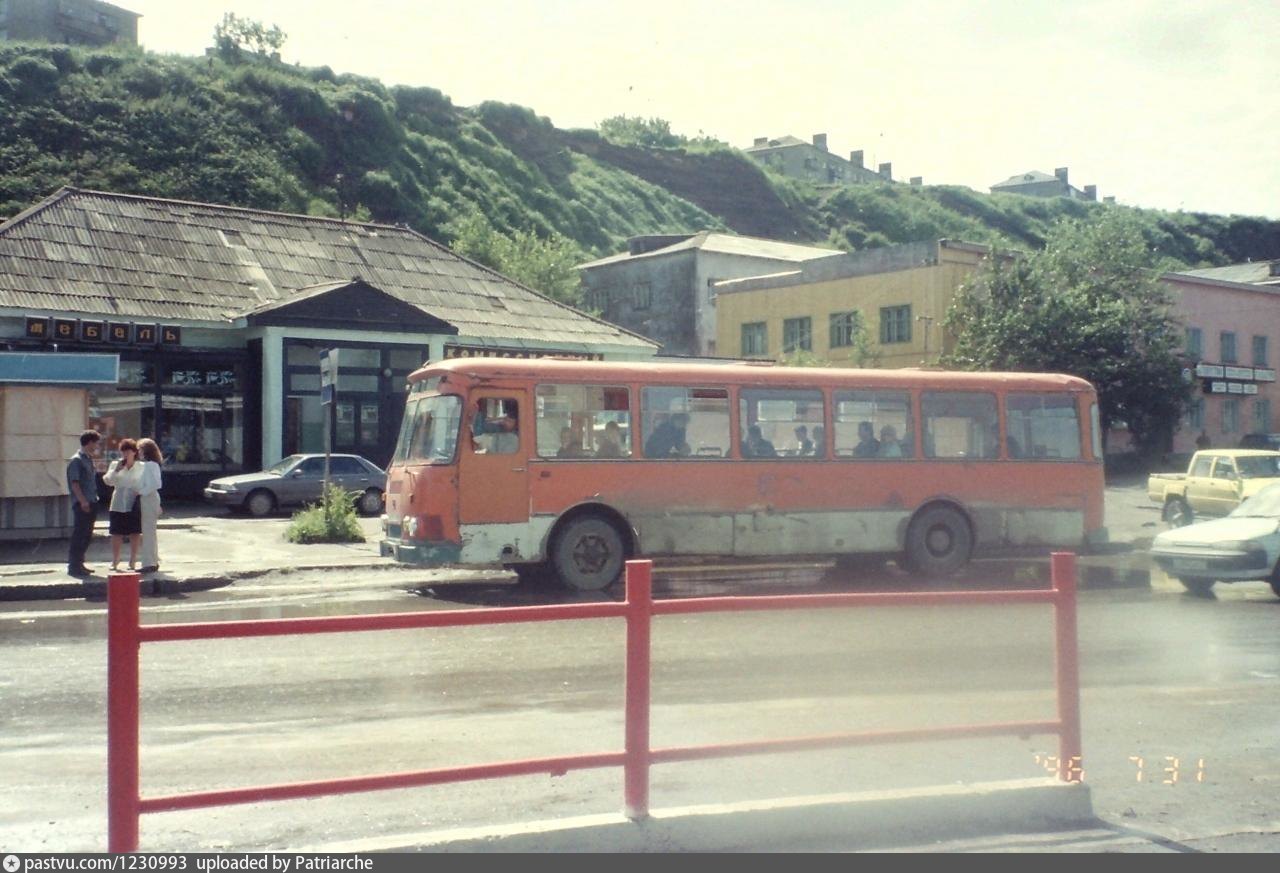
(898, 295)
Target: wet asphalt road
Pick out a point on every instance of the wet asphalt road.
(1191, 686)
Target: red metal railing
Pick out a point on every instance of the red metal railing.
(126, 634)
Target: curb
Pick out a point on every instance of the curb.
(871, 820)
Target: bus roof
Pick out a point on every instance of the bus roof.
(764, 374)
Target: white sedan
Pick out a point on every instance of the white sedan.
(1241, 547)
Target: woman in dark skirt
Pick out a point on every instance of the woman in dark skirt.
(125, 476)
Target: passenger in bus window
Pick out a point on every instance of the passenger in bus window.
(868, 446)
(569, 445)
(756, 445)
(669, 438)
(610, 445)
(819, 441)
(889, 445)
(498, 436)
(804, 445)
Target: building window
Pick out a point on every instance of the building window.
(845, 326)
(642, 295)
(1195, 342)
(1259, 351)
(1230, 415)
(1195, 414)
(797, 335)
(895, 324)
(1228, 341)
(755, 340)
(1262, 416)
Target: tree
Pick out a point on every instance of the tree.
(545, 264)
(1090, 304)
(236, 34)
(645, 132)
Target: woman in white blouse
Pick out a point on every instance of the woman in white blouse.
(149, 489)
(124, 475)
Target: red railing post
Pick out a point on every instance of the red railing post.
(639, 620)
(1067, 661)
(123, 797)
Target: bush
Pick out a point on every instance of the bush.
(332, 520)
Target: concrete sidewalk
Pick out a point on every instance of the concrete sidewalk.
(200, 548)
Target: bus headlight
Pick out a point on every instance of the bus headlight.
(409, 527)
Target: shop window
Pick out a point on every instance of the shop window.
(688, 423)
(584, 421)
(781, 423)
(873, 424)
(960, 424)
(408, 359)
(1230, 415)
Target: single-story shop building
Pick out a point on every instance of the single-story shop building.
(219, 314)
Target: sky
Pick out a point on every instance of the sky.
(1169, 104)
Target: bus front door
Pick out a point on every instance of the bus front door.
(494, 483)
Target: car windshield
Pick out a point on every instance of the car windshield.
(1264, 504)
(282, 466)
(1258, 466)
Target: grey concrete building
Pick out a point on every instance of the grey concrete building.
(1037, 184)
(73, 22)
(662, 287)
(813, 163)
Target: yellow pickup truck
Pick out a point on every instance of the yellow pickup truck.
(1215, 483)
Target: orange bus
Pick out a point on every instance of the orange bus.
(563, 469)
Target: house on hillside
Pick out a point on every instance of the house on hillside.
(895, 296)
(218, 315)
(813, 163)
(663, 286)
(70, 22)
(1037, 184)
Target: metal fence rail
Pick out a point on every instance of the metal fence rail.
(126, 636)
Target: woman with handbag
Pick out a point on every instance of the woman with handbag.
(125, 475)
(149, 490)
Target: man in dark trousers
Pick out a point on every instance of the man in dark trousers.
(84, 509)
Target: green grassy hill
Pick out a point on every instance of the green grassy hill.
(270, 136)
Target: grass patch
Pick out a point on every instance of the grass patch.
(332, 520)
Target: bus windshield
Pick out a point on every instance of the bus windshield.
(429, 433)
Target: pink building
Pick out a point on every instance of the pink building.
(1232, 329)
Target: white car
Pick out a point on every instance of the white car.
(1241, 547)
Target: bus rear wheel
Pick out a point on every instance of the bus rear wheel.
(939, 542)
(588, 554)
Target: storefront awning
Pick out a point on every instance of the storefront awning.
(59, 368)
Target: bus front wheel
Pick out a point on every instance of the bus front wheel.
(939, 542)
(588, 554)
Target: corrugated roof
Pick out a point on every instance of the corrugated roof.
(108, 254)
(727, 243)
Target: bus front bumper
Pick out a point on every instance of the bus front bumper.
(420, 553)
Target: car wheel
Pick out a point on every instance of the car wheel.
(370, 502)
(1177, 513)
(939, 542)
(588, 554)
(1196, 586)
(1275, 580)
(259, 503)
